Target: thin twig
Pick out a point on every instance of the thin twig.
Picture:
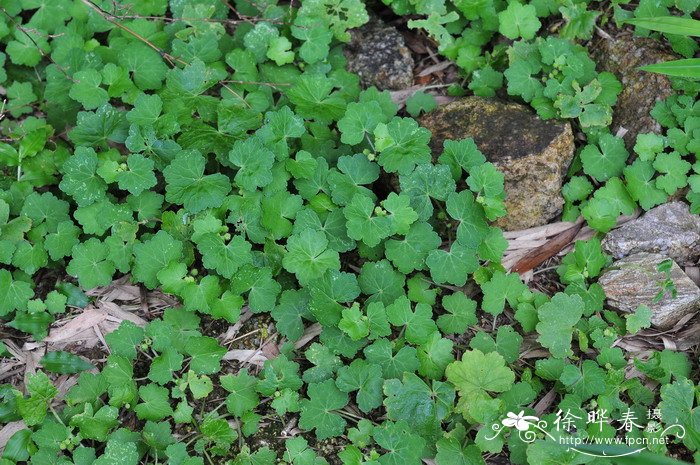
(41, 52)
(113, 19)
(270, 84)
(169, 58)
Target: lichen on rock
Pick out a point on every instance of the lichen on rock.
(623, 56)
(635, 280)
(669, 229)
(378, 54)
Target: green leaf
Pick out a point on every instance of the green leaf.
(687, 68)
(359, 121)
(147, 109)
(476, 375)
(606, 160)
(86, 89)
(124, 340)
(317, 411)
(365, 378)
(13, 294)
(434, 356)
(638, 320)
(641, 184)
(313, 98)
(501, 288)
(669, 24)
(200, 386)
(420, 102)
(585, 382)
(155, 403)
(419, 323)
(362, 223)
(187, 184)
(412, 400)
(309, 257)
(401, 144)
(404, 446)
(243, 396)
(119, 453)
(393, 364)
(96, 425)
(452, 266)
(381, 282)
(451, 452)
(35, 322)
(410, 253)
(461, 313)
(80, 179)
(91, 264)
(139, 175)
(206, 354)
(96, 129)
(64, 363)
(674, 170)
(557, 319)
(226, 258)
(254, 162)
(41, 391)
(164, 365)
(146, 64)
(518, 21)
(354, 323)
(153, 255)
(121, 387)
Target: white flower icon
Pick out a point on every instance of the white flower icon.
(520, 421)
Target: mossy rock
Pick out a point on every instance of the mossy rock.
(635, 280)
(532, 153)
(641, 90)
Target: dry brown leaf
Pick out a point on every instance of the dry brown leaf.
(545, 402)
(538, 255)
(435, 68)
(77, 329)
(117, 312)
(309, 333)
(253, 356)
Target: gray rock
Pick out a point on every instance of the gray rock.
(623, 56)
(669, 229)
(533, 154)
(635, 280)
(378, 54)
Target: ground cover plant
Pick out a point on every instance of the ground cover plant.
(220, 154)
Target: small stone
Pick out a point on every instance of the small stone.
(635, 280)
(533, 154)
(378, 54)
(669, 229)
(641, 89)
